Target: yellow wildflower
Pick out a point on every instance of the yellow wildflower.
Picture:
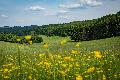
(5, 66)
(104, 77)
(64, 65)
(90, 70)
(111, 62)
(98, 54)
(59, 56)
(87, 76)
(41, 63)
(62, 72)
(72, 59)
(46, 64)
(10, 59)
(45, 45)
(70, 65)
(18, 40)
(6, 77)
(74, 52)
(77, 65)
(78, 44)
(19, 46)
(41, 55)
(63, 42)
(13, 67)
(30, 77)
(79, 77)
(6, 70)
(30, 42)
(28, 37)
(68, 59)
(115, 75)
(10, 64)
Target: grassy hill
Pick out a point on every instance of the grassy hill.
(59, 58)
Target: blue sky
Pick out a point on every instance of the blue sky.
(39, 12)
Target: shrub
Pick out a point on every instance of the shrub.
(22, 39)
(37, 39)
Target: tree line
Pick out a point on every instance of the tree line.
(104, 27)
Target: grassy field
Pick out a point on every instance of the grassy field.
(59, 58)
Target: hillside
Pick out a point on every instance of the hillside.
(104, 27)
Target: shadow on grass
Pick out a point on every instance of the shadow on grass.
(73, 41)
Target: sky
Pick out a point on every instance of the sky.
(43, 12)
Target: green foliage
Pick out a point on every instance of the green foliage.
(13, 38)
(37, 39)
(8, 37)
(104, 27)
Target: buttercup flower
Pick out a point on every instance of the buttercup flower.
(79, 77)
(90, 70)
(28, 37)
(98, 54)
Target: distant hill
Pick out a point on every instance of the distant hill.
(104, 27)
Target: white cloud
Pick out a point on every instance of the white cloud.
(64, 17)
(36, 8)
(3, 16)
(56, 13)
(81, 3)
(90, 2)
(70, 6)
(63, 11)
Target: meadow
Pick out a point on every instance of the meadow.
(59, 58)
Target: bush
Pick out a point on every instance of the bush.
(37, 39)
(13, 38)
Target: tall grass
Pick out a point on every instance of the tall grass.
(61, 59)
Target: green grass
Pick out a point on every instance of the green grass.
(54, 45)
(51, 65)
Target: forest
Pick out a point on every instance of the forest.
(104, 27)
